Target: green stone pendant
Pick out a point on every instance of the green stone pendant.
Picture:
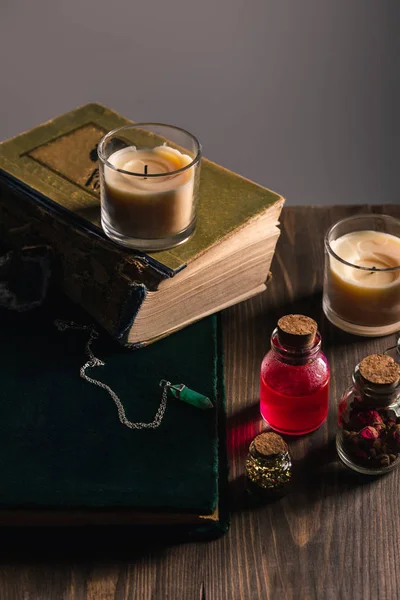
(181, 392)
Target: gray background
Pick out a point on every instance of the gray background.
(302, 96)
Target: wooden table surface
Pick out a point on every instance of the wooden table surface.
(336, 535)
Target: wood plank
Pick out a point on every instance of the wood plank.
(335, 536)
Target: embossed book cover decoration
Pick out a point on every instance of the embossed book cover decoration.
(49, 192)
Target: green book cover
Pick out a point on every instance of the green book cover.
(56, 164)
(49, 194)
(64, 455)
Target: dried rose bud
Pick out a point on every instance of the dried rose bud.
(377, 445)
(380, 427)
(377, 421)
(369, 433)
(369, 417)
(385, 460)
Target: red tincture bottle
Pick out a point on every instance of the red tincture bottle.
(294, 386)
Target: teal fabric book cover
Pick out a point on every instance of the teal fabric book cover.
(63, 450)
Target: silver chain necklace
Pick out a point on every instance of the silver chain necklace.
(96, 362)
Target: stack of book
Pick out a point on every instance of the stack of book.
(65, 456)
(49, 190)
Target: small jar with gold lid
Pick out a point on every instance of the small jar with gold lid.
(268, 465)
(368, 440)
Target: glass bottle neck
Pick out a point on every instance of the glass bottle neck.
(375, 394)
(292, 355)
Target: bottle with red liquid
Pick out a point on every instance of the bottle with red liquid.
(295, 374)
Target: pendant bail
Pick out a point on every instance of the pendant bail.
(181, 392)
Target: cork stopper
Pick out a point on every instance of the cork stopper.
(297, 331)
(380, 369)
(269, 444)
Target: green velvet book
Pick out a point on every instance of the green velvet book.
(65, 458)
(49, 192)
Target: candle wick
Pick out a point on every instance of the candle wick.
(145, 169)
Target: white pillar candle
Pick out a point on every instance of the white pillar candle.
(146, 207)
(366, 297)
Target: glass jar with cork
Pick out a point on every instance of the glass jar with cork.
(295, 374)
(368, 440)
(268, 466)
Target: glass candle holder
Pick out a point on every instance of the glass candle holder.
(362, 275)
(149, 178)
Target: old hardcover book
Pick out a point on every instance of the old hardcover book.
(49, 192)
(65, 458)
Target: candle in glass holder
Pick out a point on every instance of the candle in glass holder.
(149, 176)
(363, 288)
(149, 207)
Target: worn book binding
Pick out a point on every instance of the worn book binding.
(49, 192)
(65, 457)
